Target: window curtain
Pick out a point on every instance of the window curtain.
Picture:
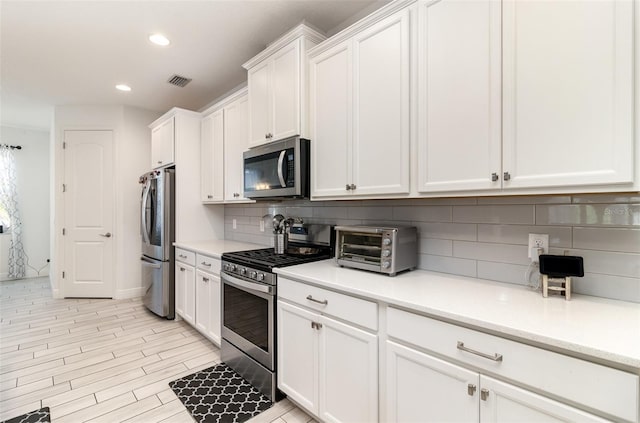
(9, 202)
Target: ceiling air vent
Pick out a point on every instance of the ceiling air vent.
(179, 81)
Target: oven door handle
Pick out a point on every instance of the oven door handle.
(232, 280)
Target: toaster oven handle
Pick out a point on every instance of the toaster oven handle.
(360, 229)
(280, 173)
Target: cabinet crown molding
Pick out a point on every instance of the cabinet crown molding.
(303, 30)
(225, 101)
(359, 26)
(175, 111)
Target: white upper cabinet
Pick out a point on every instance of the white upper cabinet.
(360, 111)
(459, 89)
(568, 93)
(235, 143)
(163, 143)
(277, 81)
(212, 157)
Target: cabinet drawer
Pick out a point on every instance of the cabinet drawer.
(185, 256)
(208, 264)
(602, 388)
(354, 310)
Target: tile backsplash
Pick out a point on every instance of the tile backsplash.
(487, 237)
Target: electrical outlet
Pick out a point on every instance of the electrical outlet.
(235, 224)
(261, 225)
(538, 241)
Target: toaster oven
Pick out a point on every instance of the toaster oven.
(378, 249)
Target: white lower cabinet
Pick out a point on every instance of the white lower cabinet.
(422, 388)
(208, 305)
(185, 292)
(328, 367)
(197, 286)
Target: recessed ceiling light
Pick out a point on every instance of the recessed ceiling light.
(123, 87)
(159, 39)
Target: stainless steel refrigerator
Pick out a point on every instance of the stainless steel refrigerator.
(157, 223)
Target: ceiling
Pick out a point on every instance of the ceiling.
(75, 52)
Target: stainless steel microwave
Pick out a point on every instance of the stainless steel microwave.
(277, 170)
(378, 249)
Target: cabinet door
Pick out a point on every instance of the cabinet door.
(459, 95)
(506, 403)
(212, 157)
(260, 103)
(331, 117)
(381, 125)
(421, 388)
(185, 292)
(162, 144)
(286, 91)
(568, 93)
(214, 330)
(235, 143)
(298, 355)
(348, 373)
(202, 294)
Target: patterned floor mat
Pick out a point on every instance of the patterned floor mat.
(38, 416)
(219, 395)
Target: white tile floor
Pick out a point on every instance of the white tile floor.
(99, 360)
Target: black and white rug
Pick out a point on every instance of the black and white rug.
(38, 416)
(219, 395)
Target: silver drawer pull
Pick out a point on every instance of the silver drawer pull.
(182, 256)
(204, 263)
(495, 357)
(323, 302)
(205, 279)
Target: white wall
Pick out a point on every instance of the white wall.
(32, 169)
(132, 149)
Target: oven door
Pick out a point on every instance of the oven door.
(248, 318)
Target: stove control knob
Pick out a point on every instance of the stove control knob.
(386, 241)
(260, 277)
(227, 267)
(243, 271)
(386, 264)
(234, 267)
(386, 253)
(253, 274)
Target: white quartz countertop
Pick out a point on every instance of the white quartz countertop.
(588, 326)
(215, 248)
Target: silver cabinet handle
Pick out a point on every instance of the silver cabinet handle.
(323, 302)
(471, 389)
(348, 187)
(205, 279)
(209, 196)
(182, 256)
(315, 325)
(484, 394)
(506, 176)
(107, 235)
(494, 176)
(495, 357)
(204, 263)
(159, 161)
(353, 186)
(182, 269)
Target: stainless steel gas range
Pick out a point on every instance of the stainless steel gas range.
(249, 289)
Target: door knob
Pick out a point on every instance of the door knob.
(107, 235)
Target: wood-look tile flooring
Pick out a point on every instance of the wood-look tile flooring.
(99, 360)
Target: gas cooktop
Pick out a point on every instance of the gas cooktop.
(265, 259)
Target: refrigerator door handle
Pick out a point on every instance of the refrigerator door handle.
(143, 208)
(149, 263)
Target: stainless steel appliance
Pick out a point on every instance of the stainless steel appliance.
(157, 233)
(378, 249)
(249, 289)
(276, 170)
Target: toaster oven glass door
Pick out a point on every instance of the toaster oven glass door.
(360, 247)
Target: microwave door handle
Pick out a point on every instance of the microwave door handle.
(280, 173)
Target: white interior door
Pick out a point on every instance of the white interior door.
(88, 215)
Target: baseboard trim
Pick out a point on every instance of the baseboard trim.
(122, 294)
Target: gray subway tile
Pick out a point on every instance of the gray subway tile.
(503, 272)
(607, 286)
(589, 214)
(438, 247)
(559, 236)
(505, 214)
(607, 239)
(606, 198)
(501, 253)
(423, 213)
(529, 199)
(453, 231)
(453, 265)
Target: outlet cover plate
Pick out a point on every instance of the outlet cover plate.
(538, 241)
